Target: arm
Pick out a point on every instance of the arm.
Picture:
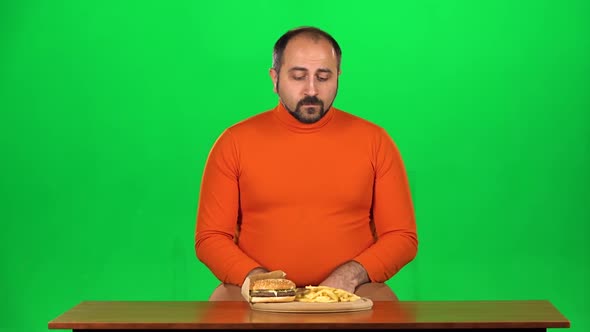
(217, 216)
(347, 276)
(393, 217)
(392, 214)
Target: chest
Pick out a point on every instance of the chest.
(304, 171)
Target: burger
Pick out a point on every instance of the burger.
(272, 290)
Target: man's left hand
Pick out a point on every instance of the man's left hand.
(347, 276)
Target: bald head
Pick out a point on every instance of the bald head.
(310, 33)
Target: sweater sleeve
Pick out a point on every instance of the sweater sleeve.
(217, 215)
(392, 214)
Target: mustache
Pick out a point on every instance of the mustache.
(310, 100)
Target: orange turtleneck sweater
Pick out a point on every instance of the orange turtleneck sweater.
(305, 195)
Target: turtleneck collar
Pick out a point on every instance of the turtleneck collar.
(283, 115)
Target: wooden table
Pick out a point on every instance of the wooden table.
(405, 316)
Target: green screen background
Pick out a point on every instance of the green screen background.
(109, 109)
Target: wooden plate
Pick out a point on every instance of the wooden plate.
(358, 305)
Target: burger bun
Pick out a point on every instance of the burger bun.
(276, 299)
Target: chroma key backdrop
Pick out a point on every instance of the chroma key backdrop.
(108, 110)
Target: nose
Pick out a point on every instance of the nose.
(310, 89)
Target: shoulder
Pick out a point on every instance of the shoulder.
(244, 128)
(374, 136)
(363, 126)
(255, 122)
(240, 134)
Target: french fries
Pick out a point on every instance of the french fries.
(325, 294)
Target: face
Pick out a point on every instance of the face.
(308, 78)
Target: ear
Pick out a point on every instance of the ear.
(274, 76)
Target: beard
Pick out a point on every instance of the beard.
(308, 110)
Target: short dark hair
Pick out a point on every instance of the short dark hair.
(312, 32)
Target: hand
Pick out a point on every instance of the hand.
(258, 270)
(347, 276)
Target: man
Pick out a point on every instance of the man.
(306, 188)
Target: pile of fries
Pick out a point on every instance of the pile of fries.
(324, 294)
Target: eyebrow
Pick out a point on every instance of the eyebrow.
(321, 70)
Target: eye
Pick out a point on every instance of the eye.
(299, 78)
(323, 78)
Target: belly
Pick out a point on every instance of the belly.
(306, 247)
